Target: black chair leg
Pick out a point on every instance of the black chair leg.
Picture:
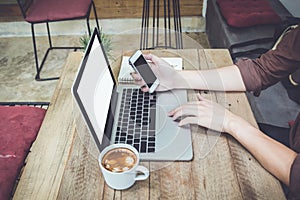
(88, 26)
(37, 77)
(49, 35)
(39, 68)
(96, 19)
(96, 16)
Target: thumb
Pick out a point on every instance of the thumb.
(152, 58)
(148, 56)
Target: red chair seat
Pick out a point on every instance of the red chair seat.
(245, 13)
(50, 10)
(19, 126)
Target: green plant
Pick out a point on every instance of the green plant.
(105, 39)
(84, 40)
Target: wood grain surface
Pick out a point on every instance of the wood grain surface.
(63, 163)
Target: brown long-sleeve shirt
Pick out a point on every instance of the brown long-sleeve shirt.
(267, 70)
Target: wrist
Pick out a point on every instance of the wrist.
(235, 125)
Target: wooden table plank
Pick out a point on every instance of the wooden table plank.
(82, 175)
(45, 165)
(254, 180)
(210, 155)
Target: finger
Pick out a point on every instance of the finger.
(185, 110)
(140, 83)
(200, 97)
(144, 88)
(135, 76)
(172, 112)
(152, 58)
(137, 79)
(180, 108)
(148, 56)
(188, 120)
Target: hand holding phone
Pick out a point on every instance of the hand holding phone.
(141, 66)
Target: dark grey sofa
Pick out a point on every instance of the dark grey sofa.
(247, 41)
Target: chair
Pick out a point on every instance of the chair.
(19, 126)
(45, 11)
(170, 34)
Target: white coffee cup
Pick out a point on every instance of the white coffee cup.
(122, 179)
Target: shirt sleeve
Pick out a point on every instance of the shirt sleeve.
(294, 188)
(274, 65)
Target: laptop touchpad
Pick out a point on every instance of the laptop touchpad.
(166, 101)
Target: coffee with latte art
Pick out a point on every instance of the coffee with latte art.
(119, 160)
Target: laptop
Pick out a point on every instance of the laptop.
(116, 113)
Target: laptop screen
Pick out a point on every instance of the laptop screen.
(93, 89)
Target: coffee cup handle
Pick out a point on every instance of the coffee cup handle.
(142, 173)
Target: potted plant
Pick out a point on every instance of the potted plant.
(105, 39)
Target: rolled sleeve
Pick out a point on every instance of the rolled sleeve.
(272, 66)
(250, 74)
(294, 188)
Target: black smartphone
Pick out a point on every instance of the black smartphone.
(142, 67)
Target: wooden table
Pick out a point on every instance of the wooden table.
(63, 160)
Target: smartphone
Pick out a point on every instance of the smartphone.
(142, 67)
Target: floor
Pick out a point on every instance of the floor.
(18, 67)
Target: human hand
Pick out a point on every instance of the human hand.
(165, 73)
(205, 113)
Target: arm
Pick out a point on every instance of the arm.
(273, 156)
(220, 79)
(247, 74)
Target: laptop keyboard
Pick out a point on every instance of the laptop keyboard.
(136, 122)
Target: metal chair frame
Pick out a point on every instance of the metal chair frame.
(25, 7)
(38, 104)
(168, 6)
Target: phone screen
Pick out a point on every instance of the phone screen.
(145, 71)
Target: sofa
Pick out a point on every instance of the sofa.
(247, 35)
